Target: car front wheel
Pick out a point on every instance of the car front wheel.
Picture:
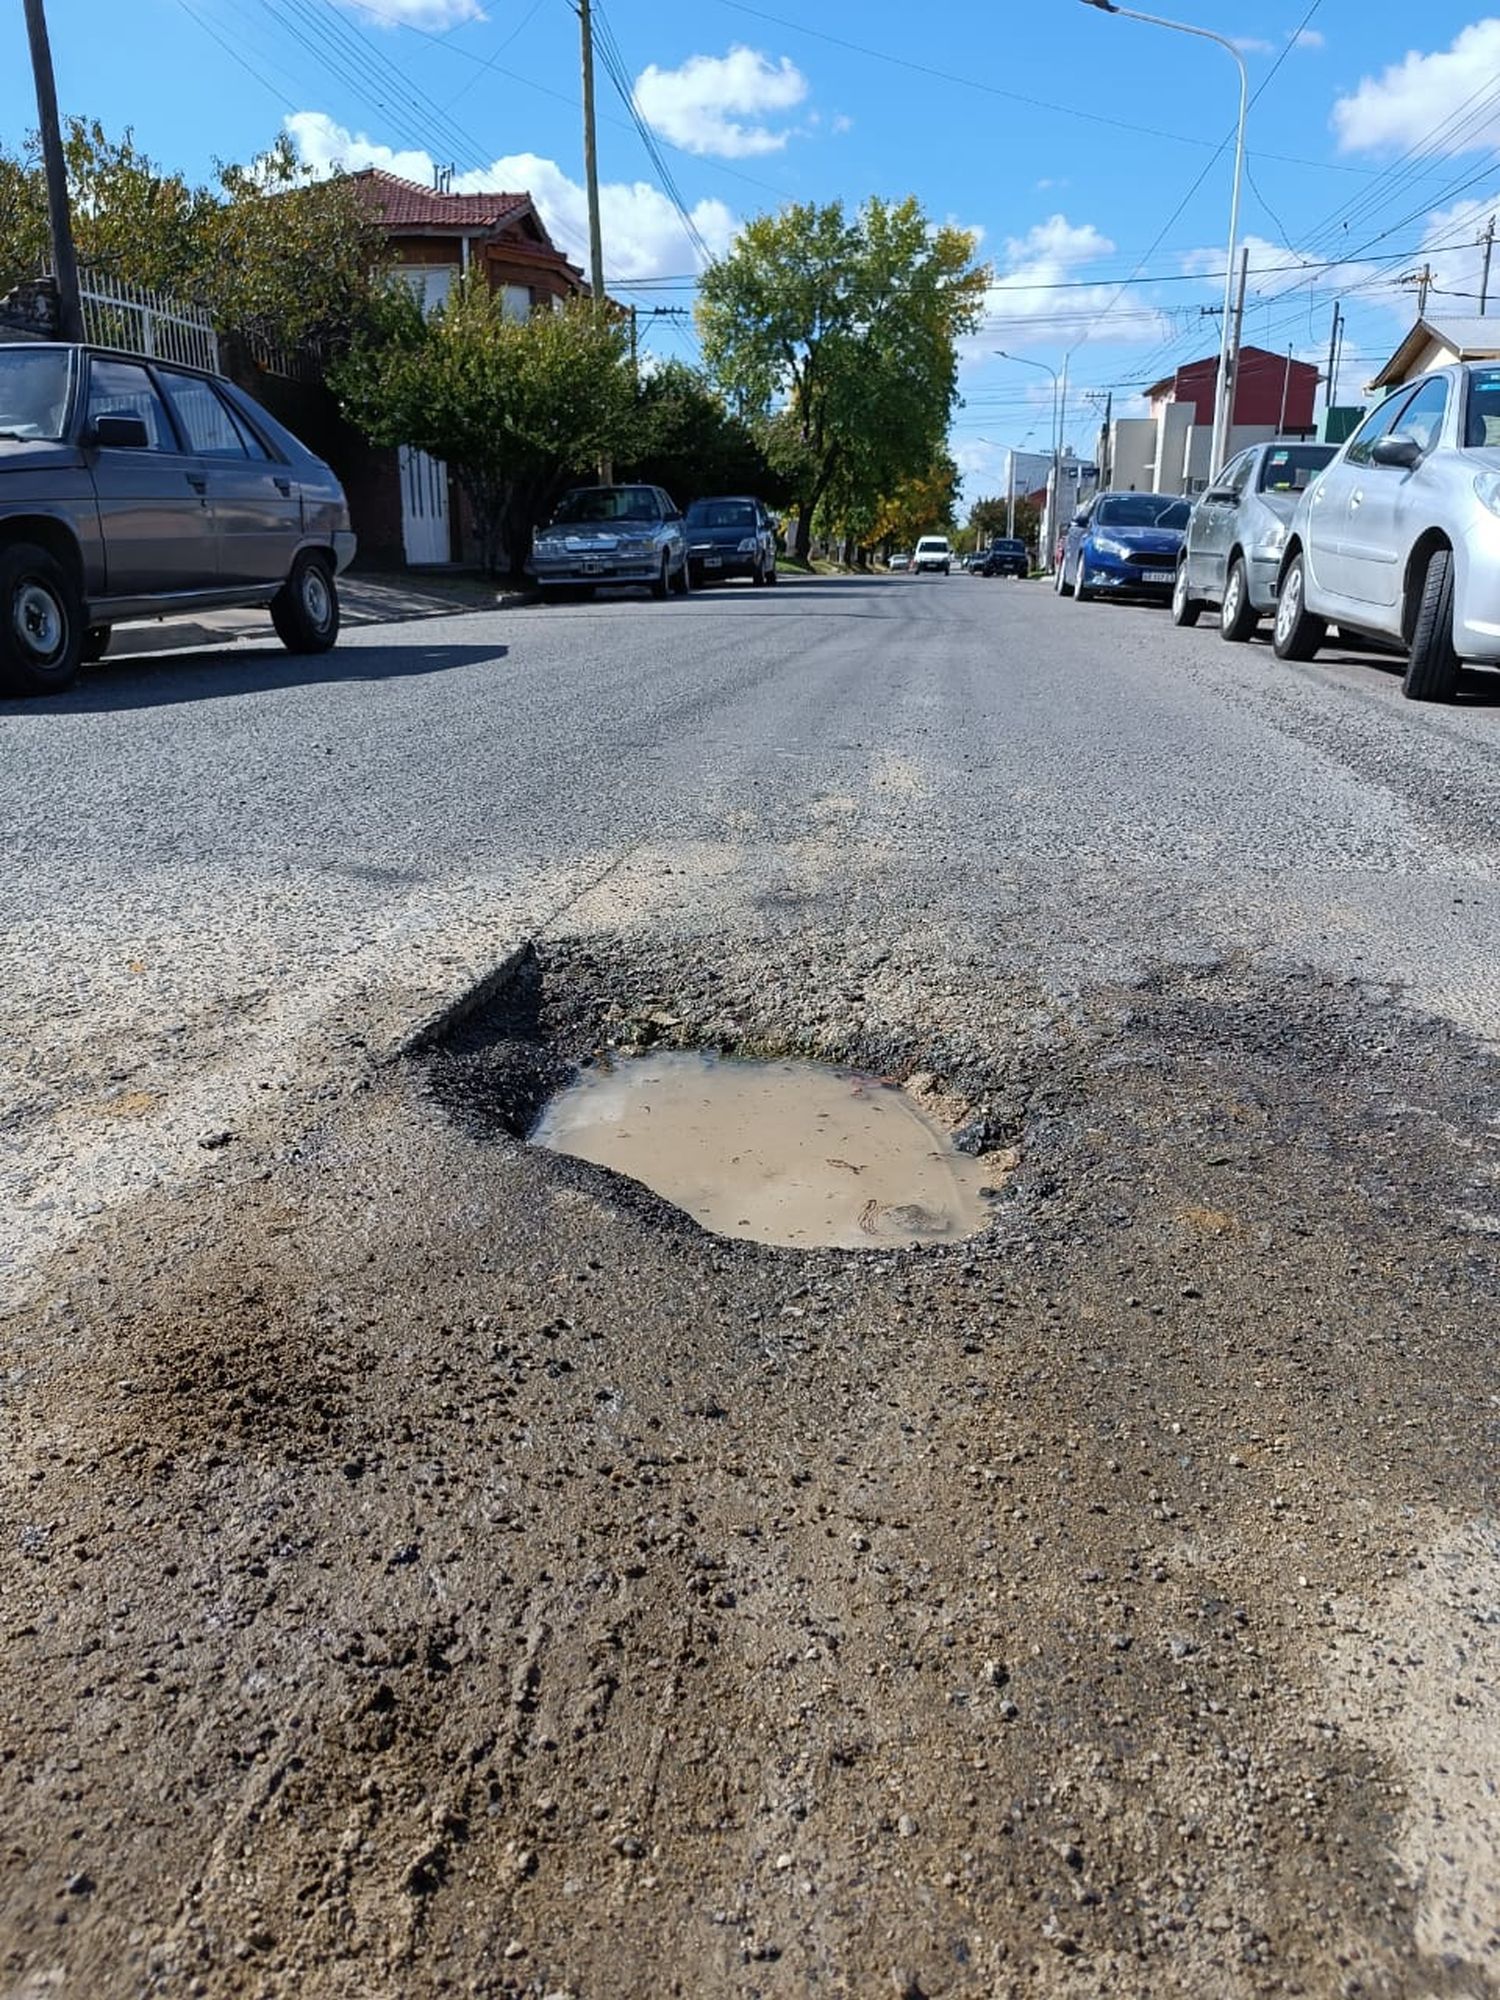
(1298, 633)
(1237, 615)
(1432, 665)
(1060, 584)
(41, 622)
(1080, 584)
(662, 582)
(305, 611)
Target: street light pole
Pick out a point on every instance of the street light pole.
(1223, 414)
(1050, 524)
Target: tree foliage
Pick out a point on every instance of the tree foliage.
(926, 504)
(512, 406)
(270, 249)
(988, 518)
(849, 328)
(688, 441)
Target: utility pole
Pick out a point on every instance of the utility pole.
(1488, 240)
(1010, 496)
(1286, 390)
(1231, 382)
(1423, 281)
(591, 177)
(1333, 358)
(59, 218)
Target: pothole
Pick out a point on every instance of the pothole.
(789, 1153)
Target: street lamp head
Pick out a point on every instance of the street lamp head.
(1104, 6)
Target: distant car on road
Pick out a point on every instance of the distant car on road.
(1123, 544)
(1399, 539)
(135, 489)
(1236, 533)
(1005, 556)
(730, 536)
(900, 561)
(933, 552)
(613, 534)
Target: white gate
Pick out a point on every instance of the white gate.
(424, 507)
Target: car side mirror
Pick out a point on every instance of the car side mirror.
(120, 433)
(1221, 493)
(1080, 520)
(1400, 451)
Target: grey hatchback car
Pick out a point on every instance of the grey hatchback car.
(133, 488)
(1237, 531)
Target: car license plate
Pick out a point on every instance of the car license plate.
(592, 565)
(1158, 576)
(713, 562)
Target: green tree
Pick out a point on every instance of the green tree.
(850, 326)
(512, 406)
(927, 504)
(988, 518)
(269, 250)
(688, 441)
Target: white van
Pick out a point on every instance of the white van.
(933, 552)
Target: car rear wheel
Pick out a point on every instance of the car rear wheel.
(305, 611)
(1238, 617)
(1185, 608)
(41, 622)
(1298, 633)
(1432, 664)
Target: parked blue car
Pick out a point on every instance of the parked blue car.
(1123, 545)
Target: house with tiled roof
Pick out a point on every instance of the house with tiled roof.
(405, 509)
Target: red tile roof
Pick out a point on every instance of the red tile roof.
(407, 204)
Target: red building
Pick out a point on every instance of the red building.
(1270, 390)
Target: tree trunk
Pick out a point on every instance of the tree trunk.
(802, 545)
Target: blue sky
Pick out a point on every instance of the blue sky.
(1081, 145)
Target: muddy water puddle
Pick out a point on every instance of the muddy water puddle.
(782, 1152)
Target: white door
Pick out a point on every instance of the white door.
(424, 507)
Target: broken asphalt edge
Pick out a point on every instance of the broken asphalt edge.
(432, 1028)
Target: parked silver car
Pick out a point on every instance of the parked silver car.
(613, 534)
(1237, 531)
(134, 489)
(1399, 539)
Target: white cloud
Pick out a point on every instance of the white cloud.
(841, 124)
(1252, 45)
(1024, 308)
(703, 106)
(643, 234)
(1419, 94)
(1307, 38)
(432, 14)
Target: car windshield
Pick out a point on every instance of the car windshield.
(1141, 510)
(1482, 424)
(932, 542)
(609, 503)
(1292, 468)
(33, 392)
(721, 514)
(1006, 548)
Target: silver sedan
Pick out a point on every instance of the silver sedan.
(1399, 540)
(1237, 531)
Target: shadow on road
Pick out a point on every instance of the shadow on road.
(145, 681)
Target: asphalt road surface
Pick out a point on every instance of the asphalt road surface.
(444, 1568)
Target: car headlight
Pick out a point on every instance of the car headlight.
(549, 545)
(639, 545)
(1108, 546)
(1487, 487)
(748, 546)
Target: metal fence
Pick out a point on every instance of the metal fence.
(118, 314)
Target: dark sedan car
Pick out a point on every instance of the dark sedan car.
(1004, 557)
(1123, 544)
(730, 536)
(132, 488)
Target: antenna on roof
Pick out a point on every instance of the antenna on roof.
(442, 177)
